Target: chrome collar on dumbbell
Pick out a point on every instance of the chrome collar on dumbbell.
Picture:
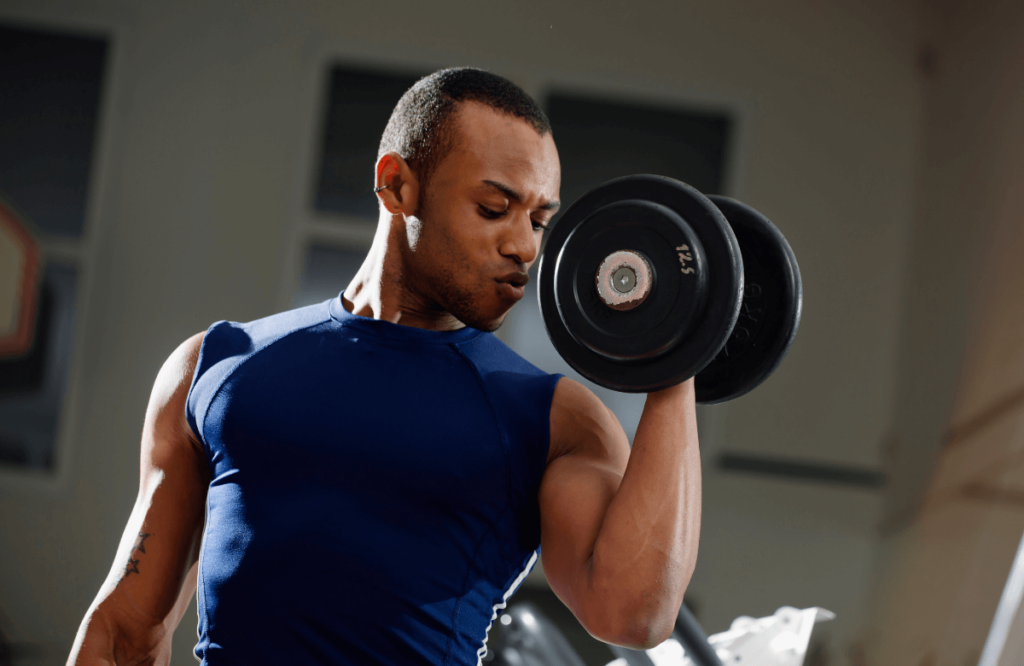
(624, 280)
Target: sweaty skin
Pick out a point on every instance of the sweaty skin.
(619, 528)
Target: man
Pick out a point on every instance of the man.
(370, 478)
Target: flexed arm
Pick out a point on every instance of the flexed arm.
(153, 576)
(620, 528)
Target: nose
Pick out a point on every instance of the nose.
(519, 242)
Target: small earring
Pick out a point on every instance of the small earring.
(382, 187)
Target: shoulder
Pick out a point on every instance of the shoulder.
(179, 367)
(265, 330)
(582, 426)
(166, 410)
(508, 375)
(226, 345)
(231, 339)
(490, 354)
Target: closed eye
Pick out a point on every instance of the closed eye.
(491, 214)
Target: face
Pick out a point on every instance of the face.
(482, 217)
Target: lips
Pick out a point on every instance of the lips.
(511, 285)
(515, 279)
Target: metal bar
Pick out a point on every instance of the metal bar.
(1003, 646)
(694, 640)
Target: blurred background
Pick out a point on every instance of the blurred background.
(170, 164)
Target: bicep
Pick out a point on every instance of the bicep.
(153, 577)
(577, 487)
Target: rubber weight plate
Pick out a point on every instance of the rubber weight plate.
(695, 273)
(667, 262)
(770, 310)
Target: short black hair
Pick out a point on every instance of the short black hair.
(422, 129)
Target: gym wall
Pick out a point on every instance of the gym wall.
(955, 507)
(201, 208)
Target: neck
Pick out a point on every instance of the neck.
(384, 289)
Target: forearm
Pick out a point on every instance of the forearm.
(94, 643)
(646, 549)
(116, 631)
(102, 641)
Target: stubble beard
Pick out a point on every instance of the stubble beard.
(457, 301)
(461, 304)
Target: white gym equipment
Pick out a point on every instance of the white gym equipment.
(777, 640)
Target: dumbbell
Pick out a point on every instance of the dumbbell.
(645, 282)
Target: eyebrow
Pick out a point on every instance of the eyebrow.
(515, 196)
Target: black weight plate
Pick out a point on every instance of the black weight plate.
(710, 327)
(770, 311)
(676, 298)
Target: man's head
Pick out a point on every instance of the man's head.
(472, 177)
(422, 126)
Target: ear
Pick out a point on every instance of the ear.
(398, 188)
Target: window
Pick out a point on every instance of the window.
(50, 84)
(326, 272)
(359, 104)
(600, 139)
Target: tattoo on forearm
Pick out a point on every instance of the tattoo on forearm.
(133, 564)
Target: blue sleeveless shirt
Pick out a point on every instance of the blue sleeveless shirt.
(374, 488)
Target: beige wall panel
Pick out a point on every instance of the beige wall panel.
(993, 173)
(970, 172)
(943, 594)
(987, 455)
(994, 370)
(940, 582)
